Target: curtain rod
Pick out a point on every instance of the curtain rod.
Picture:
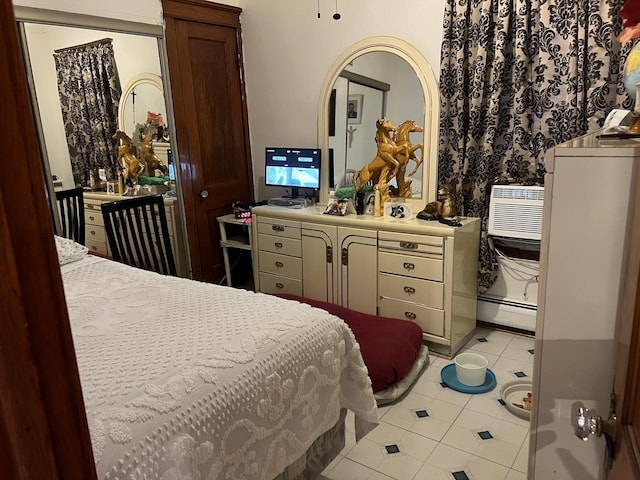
(84, 45)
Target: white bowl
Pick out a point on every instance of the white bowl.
(471, 369)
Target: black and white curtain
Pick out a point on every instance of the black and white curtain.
(516, 78)
(89, 90)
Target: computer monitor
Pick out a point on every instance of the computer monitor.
(292, 168)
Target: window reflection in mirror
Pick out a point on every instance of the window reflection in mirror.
(385, 85)
(134, 54)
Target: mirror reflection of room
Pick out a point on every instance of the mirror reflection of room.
(373, 85)
(80, 76)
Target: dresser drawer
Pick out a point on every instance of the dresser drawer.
(280, 264)
(93, 217)
(97, 247)
(406, 242)
(279, 228)
(410, 289)
(95, 233)
(283, 245)
(411, 265)
(431, 320)
(276, 284)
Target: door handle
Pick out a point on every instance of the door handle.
(204, 193)
(587, 422)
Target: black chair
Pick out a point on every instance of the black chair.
(138, 235)
(71, 208)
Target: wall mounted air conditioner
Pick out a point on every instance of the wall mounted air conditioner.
(515, 211)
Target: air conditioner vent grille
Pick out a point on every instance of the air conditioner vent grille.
(516, 211)
(518, 193)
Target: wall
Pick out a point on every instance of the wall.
(288, 52)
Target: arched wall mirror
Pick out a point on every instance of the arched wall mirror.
(379, 76)
(142, 105)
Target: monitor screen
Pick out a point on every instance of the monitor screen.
(292, 168)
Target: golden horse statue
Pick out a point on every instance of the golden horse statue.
(150, 158)
(132, 168)
(401, 137)
(384, 166)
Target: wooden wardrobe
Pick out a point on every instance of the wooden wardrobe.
(204, 50)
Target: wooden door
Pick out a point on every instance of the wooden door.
(43, 428)
(626, 465)
(205, 69)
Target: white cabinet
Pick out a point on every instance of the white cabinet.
(358, 269)
(585, 258)
(425, 272)
(278, 254)
(96, 237)
(320, 258)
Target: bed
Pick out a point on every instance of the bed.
(183, 379)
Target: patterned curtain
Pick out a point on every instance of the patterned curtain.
(518, 77)
(89, 89)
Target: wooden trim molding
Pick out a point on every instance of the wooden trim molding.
(43, 426)
(202, 11)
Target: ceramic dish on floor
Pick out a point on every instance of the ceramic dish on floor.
(449, 378)
(513, 394)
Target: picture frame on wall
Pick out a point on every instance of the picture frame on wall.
(354, 108)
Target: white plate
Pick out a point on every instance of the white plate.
(512, 393)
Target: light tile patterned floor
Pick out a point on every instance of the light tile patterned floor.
(436, 433)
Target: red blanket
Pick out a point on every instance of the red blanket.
(389, 346)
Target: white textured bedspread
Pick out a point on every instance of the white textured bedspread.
(183, 379)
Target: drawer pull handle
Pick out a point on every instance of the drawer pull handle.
(279, 264)
(408, 266)
(279, 285)
(277, 228)
(409, 290)
(410, 315)
(94, 248)
(409, 245)
(277, 245)
(91, 217)
(93, 232)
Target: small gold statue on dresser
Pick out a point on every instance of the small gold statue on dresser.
(132, 168)
(150, 158)
(445, 211)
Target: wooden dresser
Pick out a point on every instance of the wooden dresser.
(426, 272)
(96, 237)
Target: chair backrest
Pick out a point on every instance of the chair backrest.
(71, 208)
(138, 235)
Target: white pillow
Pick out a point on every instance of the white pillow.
(69, 251)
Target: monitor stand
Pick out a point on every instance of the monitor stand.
(295, 193)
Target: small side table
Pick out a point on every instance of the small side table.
(239, 238)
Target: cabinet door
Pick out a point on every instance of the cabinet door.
(358, 269)
(319, 262)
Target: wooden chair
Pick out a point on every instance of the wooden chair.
(138, 235)
(71, 208)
